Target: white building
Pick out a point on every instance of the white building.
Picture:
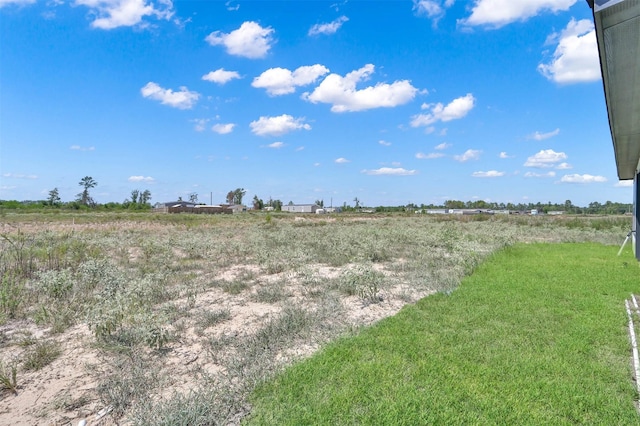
(300, 208)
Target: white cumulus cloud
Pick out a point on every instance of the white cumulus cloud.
(341, 92)
(497, 13)
(391, 171)
(575, 59)
(223, 129)
(489, 174)
(545, 159)
(540, 175)
(543, 136)
(220, 76)
(430, 156)
(276, 126)
(442, 146)
(249, 41)
(146, 179)
(182, 99)
(470, 154)
(504, 155)
(328, 28)
(341, 160)
(582, 179)
(432, 9)
(276, 145)
(281, 81)
(112, 14)
(456, 109)
(384, 143)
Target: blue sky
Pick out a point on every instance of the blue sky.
(388, 101)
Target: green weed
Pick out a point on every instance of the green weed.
(8, 378)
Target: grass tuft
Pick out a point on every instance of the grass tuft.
(8, 378)
(40, 355)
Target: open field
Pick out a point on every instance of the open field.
(159, 319)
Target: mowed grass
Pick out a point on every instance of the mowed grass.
(536, 335)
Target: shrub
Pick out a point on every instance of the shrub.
(363, 281)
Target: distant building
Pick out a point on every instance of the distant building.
(189, 207)
(179, 203)
(235, 208)
(300, 208)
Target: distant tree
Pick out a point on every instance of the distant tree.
(277, 205)
(568, 206)
(134, 196)
(54, 197)
(258, 204)
(320, 203)
(86, 183)
(454, 204)
(193, 197)
(238, 194)
(290, 203)
(230, 196)
(145, 197)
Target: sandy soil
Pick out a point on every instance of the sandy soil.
(64, 392)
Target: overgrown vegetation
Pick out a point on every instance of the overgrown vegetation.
(148, 286)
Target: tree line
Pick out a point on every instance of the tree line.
(567, 207)
(140, 200)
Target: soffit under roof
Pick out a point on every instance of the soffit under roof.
(617, 25)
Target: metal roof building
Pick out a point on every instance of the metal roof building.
(617, 24)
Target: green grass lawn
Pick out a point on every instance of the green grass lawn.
(537, 335)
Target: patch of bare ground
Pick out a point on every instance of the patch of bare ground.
(65, 391)
(57, 393)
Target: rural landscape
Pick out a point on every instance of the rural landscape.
(252, 212)
(142, 318)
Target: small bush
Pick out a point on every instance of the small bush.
(157, 337)
(55, 284)
(362, 281)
